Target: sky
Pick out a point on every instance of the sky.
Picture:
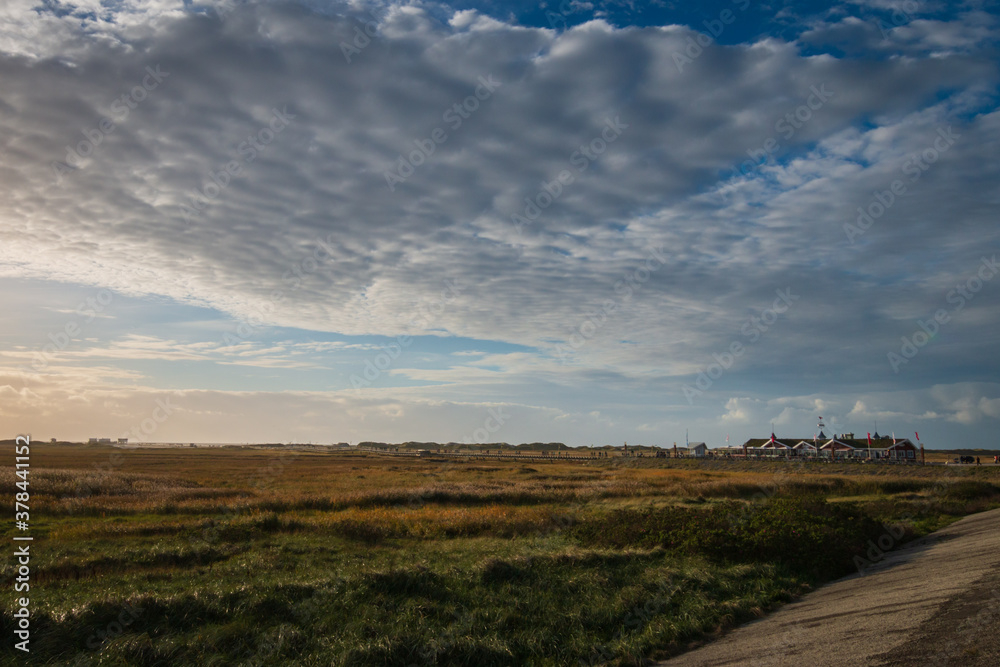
(583, 222)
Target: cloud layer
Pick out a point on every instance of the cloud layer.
(618, 202)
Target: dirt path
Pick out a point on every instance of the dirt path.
(934, 602)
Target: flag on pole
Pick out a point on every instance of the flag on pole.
(918, 436)
(869, 439)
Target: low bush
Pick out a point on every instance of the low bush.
(807, 535)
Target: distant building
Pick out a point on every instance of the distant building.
(881, 447)
(122, 441)
(839, 446)
(772, 444)
(695, 449)
(99, 441)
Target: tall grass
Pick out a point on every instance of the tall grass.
(254, 557)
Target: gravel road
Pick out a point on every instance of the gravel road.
(935, 601)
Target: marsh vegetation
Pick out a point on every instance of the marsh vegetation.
(239, 556)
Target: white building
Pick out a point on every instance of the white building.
(695, 449)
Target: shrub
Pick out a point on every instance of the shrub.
(807, 535)
(969, 489)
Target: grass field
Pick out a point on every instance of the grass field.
(253, 557)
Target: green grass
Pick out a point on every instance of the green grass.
(550, 602)
(345, 560)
